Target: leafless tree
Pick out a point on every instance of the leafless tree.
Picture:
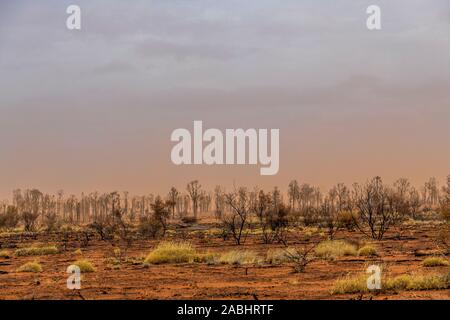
(293, 193)
(376, 215)
(193, 189)
(173, 198)
(236, 222)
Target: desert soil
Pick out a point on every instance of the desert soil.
(401, 252)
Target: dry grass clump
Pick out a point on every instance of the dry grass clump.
(367, 251)
(33, 267)
(435, 262)
(279, 256)
(85, 266)
(335, 248)
(411, 282)
(36, 251)
(171, 252)
(358, 284)
(78, 252)
(351, 285)
(208, 258)
(239, 257)
(4, 254)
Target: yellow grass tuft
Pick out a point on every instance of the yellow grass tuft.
(171, 252)
(4, 254)
(36, 251)
(238, 257)
(435, 262)
(279, 256)
(358, 284)
(367, 251)
(34, 267)
(351, 285)
(85, 266)
(335, 248)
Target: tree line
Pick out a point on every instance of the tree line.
(372, 208)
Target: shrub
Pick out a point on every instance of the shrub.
(29, 220)
(300, 257)
(346, 219)
(239, 257)
(377, 207)
(150, 227)
(85, 266)
(104, 226)
(445, 211)
(34, 267)
(52, 222)
(235, 222)
(4, 254)
(435, 262)
(367, 251)
(9, 219)
(36, 251)
(78, 252)
(335, 248)
(189, 220)
(171, 252)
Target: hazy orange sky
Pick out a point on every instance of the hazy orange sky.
(94, 109)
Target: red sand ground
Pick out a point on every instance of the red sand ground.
(201, 281)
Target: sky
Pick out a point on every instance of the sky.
(94, 109)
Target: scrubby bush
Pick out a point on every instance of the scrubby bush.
(346, 219)
(36, 251)
(335, 248)
(154, 224)
(189, 220)
(104, 226)
(10, 219)
(272, 215)
(445, 212)
(52, 222)
(235, 223)
(29, 220)
(171, 252)
(34, 267)
(377, 207)
(300, 257)
(4, 254)
(85, 266)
